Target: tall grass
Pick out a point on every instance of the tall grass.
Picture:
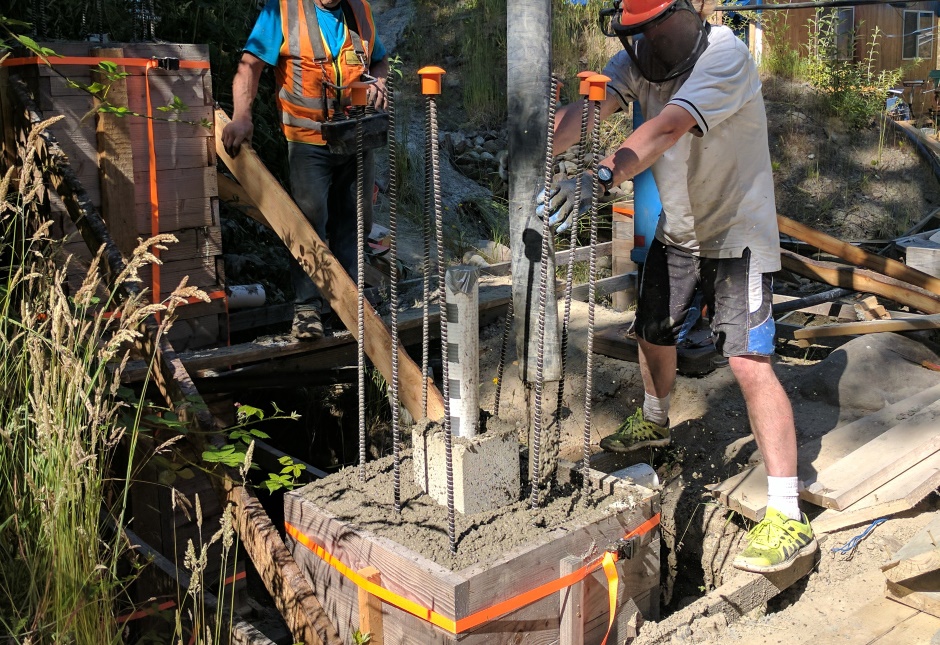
(60, 424)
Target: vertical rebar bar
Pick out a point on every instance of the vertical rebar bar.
(445, 377)
(535, 448)
(569, 274)
(504, 345)
(592, 284)
(360, 286)
(426, 266)
(393, 286)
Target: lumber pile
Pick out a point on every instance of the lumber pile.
(111, 157)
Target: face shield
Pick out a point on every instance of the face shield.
(666, 46)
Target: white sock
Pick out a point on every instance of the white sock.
(783, 495)
(656, 410)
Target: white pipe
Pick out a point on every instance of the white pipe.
(242, 296)
(462, 295)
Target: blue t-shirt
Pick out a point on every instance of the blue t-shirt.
(267, 36)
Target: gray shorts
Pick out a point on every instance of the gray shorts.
(738, 299)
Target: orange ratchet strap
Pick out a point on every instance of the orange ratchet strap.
(94, 60)
(607, 562)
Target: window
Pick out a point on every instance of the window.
(845, 33)
(918, 35)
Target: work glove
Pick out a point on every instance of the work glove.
(562, 211)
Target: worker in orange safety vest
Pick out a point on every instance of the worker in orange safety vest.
(317, 47)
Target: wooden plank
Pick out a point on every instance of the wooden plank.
(172, 185)
(581, 254)
(334, 283)
(869, 327)
(869, 623)
(174, 153)
(622, 247)
(857, 256)
(837, 309)
(176, 214)
(916, 629)
(746, 492)
(877, 462)
(927, 599)
(370, 608)
(604, 287)
(862, 280)
(924, 257)
(900, 494)
(116, 163)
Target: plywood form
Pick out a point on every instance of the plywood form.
(184, 155)
(456, 594)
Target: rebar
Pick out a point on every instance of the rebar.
(592, 286)
(534, 449)
(504, 345)
(360, 294)
(445, 376)
(569, 274)
(393, 287)
(426, 267)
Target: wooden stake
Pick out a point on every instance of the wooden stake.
(370, 608)
(571, 629)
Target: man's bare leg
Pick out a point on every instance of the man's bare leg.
(657, 367)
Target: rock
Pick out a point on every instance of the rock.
(479, 141)
(491, 146)
(487, 157)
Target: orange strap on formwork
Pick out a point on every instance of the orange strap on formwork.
(154, 197)
(607, 562)
(94, 60)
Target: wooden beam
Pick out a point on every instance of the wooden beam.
(862, 280)
(283, 216)
(869, 327)
(116, 162)
(263, 543)
(571, 629)
(920, 555)
(857, 256)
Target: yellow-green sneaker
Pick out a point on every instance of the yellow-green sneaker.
(775, 543)
(636, 432)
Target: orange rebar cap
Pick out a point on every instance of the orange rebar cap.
(431, 79)
(583, 86)
(359, 91)
(558, 85)
(597, 90)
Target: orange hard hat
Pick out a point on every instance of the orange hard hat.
(639, 12)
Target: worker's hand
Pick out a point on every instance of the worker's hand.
(562, 210)
(235, 133)
(378, 94)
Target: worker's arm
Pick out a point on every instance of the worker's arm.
(649, 142)
(568, 122)
(244, 90)
(378, 95)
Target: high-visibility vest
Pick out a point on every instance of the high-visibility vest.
(304, 62)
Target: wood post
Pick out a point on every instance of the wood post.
(116, 162)
(284, 217)
(370, 608)
(571, 629)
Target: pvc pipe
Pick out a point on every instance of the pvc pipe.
(646, 204)
(242, 296)
(639, 474)
(462, 296)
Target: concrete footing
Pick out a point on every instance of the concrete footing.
(486, 469)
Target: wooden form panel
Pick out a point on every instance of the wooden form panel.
(184, 153)
(457, 594)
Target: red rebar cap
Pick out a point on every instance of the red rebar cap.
(583, 86)
(431, 79)
(597, 90)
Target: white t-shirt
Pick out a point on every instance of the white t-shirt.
(717, 189)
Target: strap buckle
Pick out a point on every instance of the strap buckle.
(168, 63)
(624, 548)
